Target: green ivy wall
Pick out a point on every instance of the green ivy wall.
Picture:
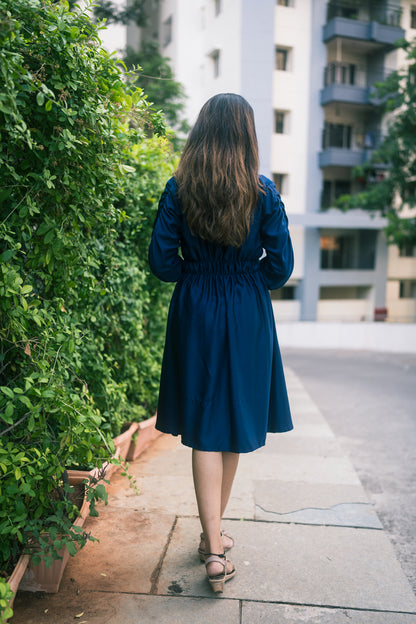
(83, 160)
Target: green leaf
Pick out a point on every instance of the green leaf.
(7, 391)
(7, 255)
(48, 106)
(49, 236)
(40, 98)
(8, 413)
(26, 401)
(71, 548)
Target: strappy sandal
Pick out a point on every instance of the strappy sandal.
(202, 552)
(217, 580)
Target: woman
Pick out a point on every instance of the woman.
(222, 385)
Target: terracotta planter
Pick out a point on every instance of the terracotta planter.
(17, 575)
(39, 577)
(146, 433)
(76, 478)
(122, 442)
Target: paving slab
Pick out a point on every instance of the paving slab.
(168, 456)
(307, 468)
(130, 547)
(119, 608)
(310, 430)
(289, 444)
(170, 494)
(302, 405)
(314, 503)
(261, 613)
(298, 564)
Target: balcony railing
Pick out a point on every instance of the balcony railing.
(353, 74)
(344, 136)
(350, 83)
(373, 22)
(366, 11)
(345, 146)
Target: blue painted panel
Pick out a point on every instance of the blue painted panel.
(345, 93)
(337, 157)
(364, 31)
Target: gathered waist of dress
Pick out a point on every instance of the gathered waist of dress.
(221, 268)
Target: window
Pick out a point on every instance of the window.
(287, 293)
(285, 3)
(167, 31)
(332, 189)
(407, 250)
(281, 59)
(413, 16)
(352, 249)
(326, 195)
(341, 187)
(340, 73)
(407, 289)
(217, 7)
(337, 135)
(345, 8)
(280, 181)
(344, 292)
(280, 122)
(215, 56)
(349, 12)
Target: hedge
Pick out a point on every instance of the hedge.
(83, 160)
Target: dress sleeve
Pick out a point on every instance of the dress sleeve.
(277, 264)
(164, 259)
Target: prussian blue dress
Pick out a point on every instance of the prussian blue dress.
(222, 385)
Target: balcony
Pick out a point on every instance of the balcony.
(350, 83)
(343, 146)
(374, 22)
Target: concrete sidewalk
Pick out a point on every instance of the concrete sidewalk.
(309, 546)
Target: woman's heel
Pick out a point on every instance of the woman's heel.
(201, 550)
(217, 581)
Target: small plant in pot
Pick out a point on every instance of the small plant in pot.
(51, 428)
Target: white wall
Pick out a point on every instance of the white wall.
(197, 31)
(383, 337)
(291, 93)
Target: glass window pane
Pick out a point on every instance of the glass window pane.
(281, 59)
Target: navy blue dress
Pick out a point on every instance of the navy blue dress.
(222, 385)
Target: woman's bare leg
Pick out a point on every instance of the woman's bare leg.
(229, 467)
(213, 474)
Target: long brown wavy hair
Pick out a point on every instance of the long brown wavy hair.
(217, 176)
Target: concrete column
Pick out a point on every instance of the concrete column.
(257, 67)
(380, 280)
(309, 291)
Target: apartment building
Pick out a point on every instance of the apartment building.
(308, 68)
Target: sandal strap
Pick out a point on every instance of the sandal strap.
(213, 557)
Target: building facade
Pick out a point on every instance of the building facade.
(308, 68)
